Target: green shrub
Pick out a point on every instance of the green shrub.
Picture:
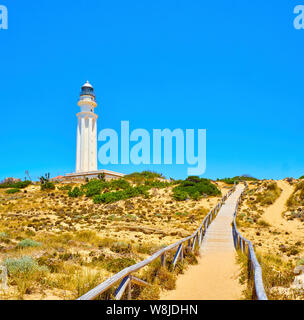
(121, 247)
(130, 192)
(181, 213)
(17, 185)
(25, 273)
(263, 223)
(28, 243)
(140, 177)
(196, 195)
(65, 188)
(194, 187)
(76, 192)
(45, 182)
(119, 264)
(22, 184)
(119, 184)
(237, 179)
(180, 195)
(24, 264)
(94, 187)
(10, 191)
(47, 186)
(302, 177)
(157, 184)
(145, 174)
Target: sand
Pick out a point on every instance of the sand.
(215, 277)
(273, 214)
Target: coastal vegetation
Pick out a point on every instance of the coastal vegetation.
(237, 179)
(278, 243)
(58, 243)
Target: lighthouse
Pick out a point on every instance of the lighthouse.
(86, 151)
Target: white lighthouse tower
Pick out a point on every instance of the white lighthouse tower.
(86, 153)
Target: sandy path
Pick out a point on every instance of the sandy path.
(215, 277)
(273, 214)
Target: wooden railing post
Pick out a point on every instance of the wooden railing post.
(206, 225)
(163, 259)
(201, 237)
(193, 244)
(233, 235)
(249, 266)
(177, 254)
(122, 287)
(130, 290)
(3, 277)
(181, 256)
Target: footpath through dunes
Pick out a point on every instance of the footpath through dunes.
(215, 277)
(273, 213)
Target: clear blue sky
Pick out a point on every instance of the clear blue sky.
(234, 68)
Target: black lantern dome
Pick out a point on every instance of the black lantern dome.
(87, 90)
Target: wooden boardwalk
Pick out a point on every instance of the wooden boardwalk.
(216, 275)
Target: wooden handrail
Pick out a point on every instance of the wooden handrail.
(242, 243)
(125, 275)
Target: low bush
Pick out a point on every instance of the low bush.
(116, 265)
(194, 187)
(24, 264)
(11, 191)
(28, 243)
(25, 273)
(269, 195)
(263, 223)
(94, 187)
(47, 186)
(297, 197)
(130, 192)
(119, 184)
(237, 179)
(65, 188)
(17, 185)
(145, 174)
(141, 177)
(157, 184)
(74, 193)
(45, 182)
(180, 195)
(121, 247)
(3, 235)
(86, 280)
